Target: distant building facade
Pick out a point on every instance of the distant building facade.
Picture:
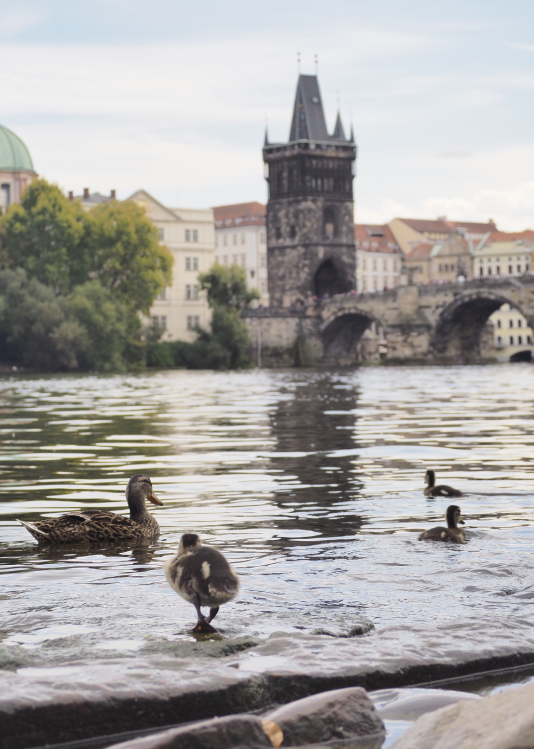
(189, 234)
(409, 232)
(378, 258)
(241, 239)
(90, 200)
(310, 212)
(16, 168)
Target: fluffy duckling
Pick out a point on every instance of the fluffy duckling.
(451, 532)
(100, 525)
(442, 490)
(202, 576)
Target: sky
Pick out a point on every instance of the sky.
(174, 96)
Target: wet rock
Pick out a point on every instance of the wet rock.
(338, 714)
(500, 721)
(231, 732)
(409, 704)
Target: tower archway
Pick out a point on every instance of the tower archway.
(330, 279)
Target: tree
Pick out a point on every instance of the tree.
(227, 287)
(46, 236)
(58, 243)
(127, 258)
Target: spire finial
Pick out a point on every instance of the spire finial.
(316, 64)
(298, 61)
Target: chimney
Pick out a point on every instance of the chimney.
(71, 195)
(114, 195)
(86, 193)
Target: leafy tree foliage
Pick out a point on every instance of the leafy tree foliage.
(46, 236)
(127, 257)
(227, 287)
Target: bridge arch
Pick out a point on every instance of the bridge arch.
(342, 335)
(458, 331)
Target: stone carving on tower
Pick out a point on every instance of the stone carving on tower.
(310, 212)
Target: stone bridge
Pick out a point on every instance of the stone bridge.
(435, 323)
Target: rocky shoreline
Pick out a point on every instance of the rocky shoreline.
(82, 700)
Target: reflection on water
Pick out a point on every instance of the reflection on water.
(309, 481)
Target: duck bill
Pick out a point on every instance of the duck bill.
(156, 501)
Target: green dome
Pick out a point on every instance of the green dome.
(14, 156)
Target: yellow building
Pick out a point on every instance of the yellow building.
(16, 168)
(511, 335)
(189, 235)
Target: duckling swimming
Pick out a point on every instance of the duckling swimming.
(438, 491)
(451, 532)
(202, 576)
(99, 525)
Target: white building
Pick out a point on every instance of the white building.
(509, 257)
(511, 334)
(240, 239)
(378, 258)
(189, 234)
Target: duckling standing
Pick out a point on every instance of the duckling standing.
(99, 525)
(438, 491)
(202, 576)
(451, 532)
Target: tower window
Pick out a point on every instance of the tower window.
(292, 231)
(329, 218)
(278, 232)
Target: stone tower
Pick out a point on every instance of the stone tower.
(310, 212)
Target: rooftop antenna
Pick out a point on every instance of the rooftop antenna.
(316, 64)
(298, 61)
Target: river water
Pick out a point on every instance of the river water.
(311, 482)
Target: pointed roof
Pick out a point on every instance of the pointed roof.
(308, 121)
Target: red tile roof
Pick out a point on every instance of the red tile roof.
(239, 214)
(504, 236)
(442, 226)
(375, 238)
(421, 251)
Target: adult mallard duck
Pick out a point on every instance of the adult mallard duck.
(99, 525)
(451, 532)
(442, 490)
(203, 577)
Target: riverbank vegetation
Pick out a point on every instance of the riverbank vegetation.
(75, 287)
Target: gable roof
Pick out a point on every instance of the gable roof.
(154, 209)
(375, 238)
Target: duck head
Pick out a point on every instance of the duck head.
(138, 490)
(454, 516)
(188, 541)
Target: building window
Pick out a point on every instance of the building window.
(195, 235)
(375, 267)
(278, 232)
(329, 218)
(188, 263)
(262, 238)
(193, 321)
(160, 321)
(481, 269)
(529, 339)
(264, 287)
(489, 271)
(195, 263)
(191, 291)
(499, 340)
(510, 269)
(235, 238)
(252, 273)
(263, 259)
(225, 241)
(520, 323)
(511, 339)
(243, 239)
(292, 232)
(5, 196)
(498, 270)
(384, 264)
(243, 261)
(188, 235)
(162, 294)
(498, 323)
(510, 323)
(364, 264)
(161, 233)
(520, 340)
